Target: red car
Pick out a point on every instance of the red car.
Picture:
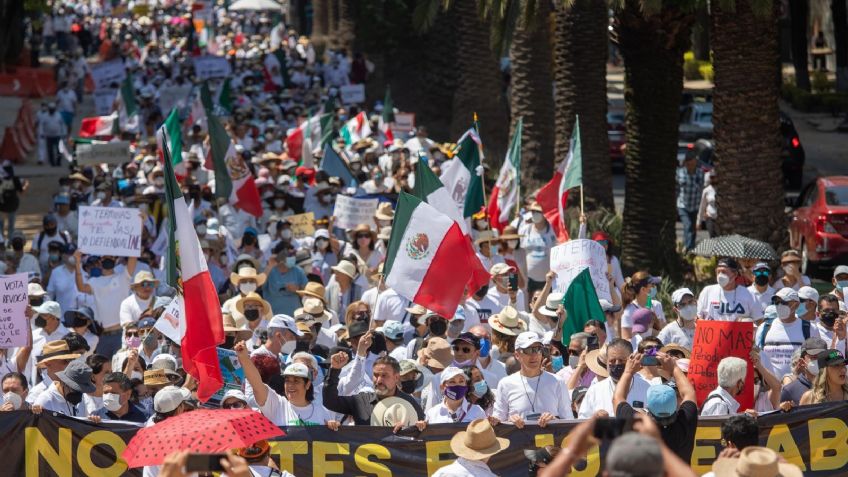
(819, 227)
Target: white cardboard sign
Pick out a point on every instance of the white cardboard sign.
(570, 258)
(351, 212)
(110, 231)
(208, 67)
(352, 93)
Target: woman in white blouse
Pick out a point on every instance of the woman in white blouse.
(454, 407)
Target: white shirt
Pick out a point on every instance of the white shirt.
(764, 298)
(537, 245)
(465, 468)
(627, 314)
(781, 341)
(467, 412)
(52, 400)
(599, 396)
(674, 333)
(501, 299)
(496, 371)
(716, 303)
(391, 307)
(281, 412)
(724, 406)
(131, 309)
(827, 336)
(109, 292)
(518, 394)
(484, 308)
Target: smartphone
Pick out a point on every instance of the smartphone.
(204, 462)
(592, 342)
(513, 281)
(608, 428)
(650, 357)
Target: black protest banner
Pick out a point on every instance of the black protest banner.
(813, 437)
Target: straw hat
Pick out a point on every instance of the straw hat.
(156, 377)
(345, 267)
(313, 289)
(507, 322)
(362, 228)
(676, 347)
(478, 441)
(596, 361)
(392, 411)
(254, 297)
(313, 306)
(385, 233)
(247, 273)
(144, 276)
(384, 211)
(486, 236)
(755, 462)
(510, 233)
(438, 352)
(55, 350)
(230, 327)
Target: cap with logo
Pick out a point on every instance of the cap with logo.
(831, 357)
(527, 339)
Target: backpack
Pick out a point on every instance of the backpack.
(805, 330)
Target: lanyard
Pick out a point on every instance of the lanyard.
(535, 392)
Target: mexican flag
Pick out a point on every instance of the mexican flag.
(127, 107)
(199, 313)
(461, 177)
(356, 128)
(429, 260)
(504, 197)
(301, 140)
(387, 117)
(172, 134)
(225, 99)
(581, 305)
(430, 189)
(233, 180)
(554, 195)
(98, 126)
(276, 68)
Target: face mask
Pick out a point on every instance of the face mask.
(462, 364)
(482, 224)
(279, 203)
(14, 399)
(493, 249)
(136, 375)
(107, 264)
(688, 312)
(456, 392)
(841, 284)
(322, 244)
(652, 293)
(438, 327)
(17, 245)
(557, 363)
(40, 321)
(158, 182)
(112, 401)
(615, 371)
(54, 257)
(485, 347)
(761, 280)
(201, 230)
(101, 196)
(802, 310)
(789, 269)
(286, 234)
(813, 367)
(291, 262)
(783, 311)
(133, 342)
(513, 244)
(408, 387)
(480, 388)
(538, 217)
(574, 361)
(723, 280)
(247, 287)
(248, 240)
(251, 315)
(828, 319)
(288, 347)
(73, 397)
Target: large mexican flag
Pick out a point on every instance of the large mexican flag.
(460, 174)
(504, 197)
(430, 189)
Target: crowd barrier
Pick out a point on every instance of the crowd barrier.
(813, 437)
(19, 135)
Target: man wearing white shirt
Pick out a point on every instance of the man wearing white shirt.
(726, 300)
(600, 394)
(781, 337)
(62, 286)
(760, 289)
(48, 328)
(134, 305)
(65, 394)
(501, 294)
(391, 306)
(531, 394)
(731, 382)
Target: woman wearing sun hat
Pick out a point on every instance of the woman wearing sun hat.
(473, 448)
(363, 246)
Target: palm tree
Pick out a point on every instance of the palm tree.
(320, 25)
(749, 194)
(347, 26)
(580, 57)
(652, 43)
(799, 14)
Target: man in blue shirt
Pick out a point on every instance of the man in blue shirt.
(690, 184)
(284, 279)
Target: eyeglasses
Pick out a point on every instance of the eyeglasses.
(532, 350)
(234, 405)
(359, 236)
(147, 284)
(761, 273)
(574, 352)
(463, 349)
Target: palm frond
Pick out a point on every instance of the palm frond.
(425, 13)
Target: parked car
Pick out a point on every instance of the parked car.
(819, 226)
(696, 121)
(792, 154)
(616, 133)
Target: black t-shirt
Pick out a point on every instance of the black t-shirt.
(680, 435)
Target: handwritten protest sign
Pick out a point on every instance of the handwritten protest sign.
(713, 341)
(169, 321)
(403, 124)
(103, 100)
(352, 93)
(115, 152)
(173, 96)
(570, 258)
(108, 74)
(110, 231)
(351, 212)
(13, 323)
(231, 371)
(207, 67)
(302, 225)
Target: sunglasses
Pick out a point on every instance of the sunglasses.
(761, 273)
(132, 334)
(359, 236)
(532, 350)
(234, 405)
(146, 284)
(463, 349)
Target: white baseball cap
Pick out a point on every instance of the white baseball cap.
(787, 294)
(449, 373)
(527, 339)
(808, 293)
(392, 330)
(285, 322)
(169, 398)
(297, 369)
(677, 295)
(49, 308)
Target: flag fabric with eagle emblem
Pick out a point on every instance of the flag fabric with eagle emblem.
(505, 193)
(200, 321)
(553, 196)
(461, 175)
(429, 260)
(356, 128)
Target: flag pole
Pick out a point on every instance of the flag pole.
(480, 150)
(581, 198)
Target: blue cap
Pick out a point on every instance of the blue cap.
(62, 199)
(661, 400)
(251, 230)
(147, 322)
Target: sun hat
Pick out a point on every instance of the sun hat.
(449, 373)
(438, 353)
(755, 461)
(313, 289)
(285, 322)
(313, 306)
(808, 293)
(234, 394)
(551, 304)
(478, 441)
(357, 328)
(299, 370)
(416, 309)
(144, 276)
(247, 273)
(642, 320)
(345, 267)
(170, 398)
(596, 360)
(156, 377)
(256, 298)
(510, 233)
(507, 322)
(244, 258)
(527, 339)
(384, 211)
(230, 327)
(393, 410)
(787, 294)
(49, 308)
(77, 376)
(362, 228)
(486, 236)
(35, 289)
(55, 350)
(500, 269)
(676, 347)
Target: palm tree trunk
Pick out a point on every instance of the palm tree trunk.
(532, 96)
(839, 12)
(332, 22)
(749, 191)
(652, 46)
(478, 87)
(580, 50)
(347, 24)
(799, 17)
(320, 25)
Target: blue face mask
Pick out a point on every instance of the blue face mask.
(557, 363)
(480, 388)
(95, 272)
(291, 262)
(485, 347)
(841, 284)
(802, 310)
(652, 293)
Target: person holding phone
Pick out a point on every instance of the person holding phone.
(503, 293)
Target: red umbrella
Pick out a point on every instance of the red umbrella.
(204, 431)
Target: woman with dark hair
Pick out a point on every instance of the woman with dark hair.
(638, 291)
(100, 367)
(363, 241)
(479, 392)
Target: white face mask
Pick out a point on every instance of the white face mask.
(723, 279)
(513, 244)
(286, 234)
(322, 244)
(14, 399)
(159, 182)
(790, 269)
(112, 401)
(279, 203)
(247, 287)
(136, 375)
(813, 367)
(688, 312)
(101, 196)
(288, 347)
(493, 249)
(538, 217)
(783, 312)
(482, 224)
